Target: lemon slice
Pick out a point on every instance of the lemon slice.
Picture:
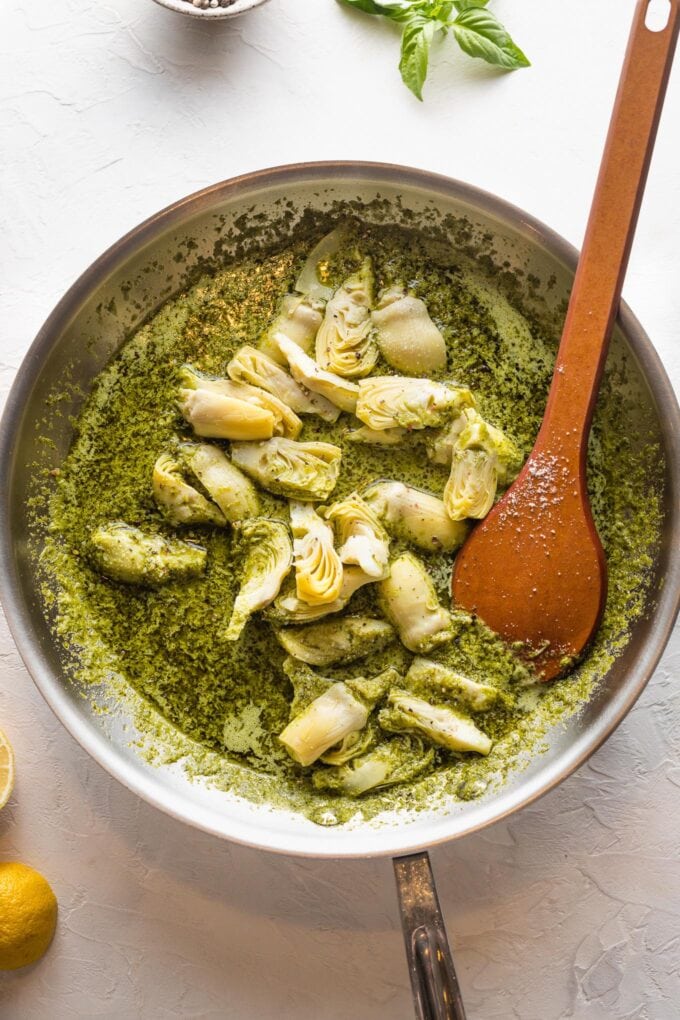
(6, 769)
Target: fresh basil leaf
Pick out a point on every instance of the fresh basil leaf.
(394, 11)
(480, 34)
(440, 11)
(415, 51)
(465, 5)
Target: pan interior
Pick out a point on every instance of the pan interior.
(517, 266)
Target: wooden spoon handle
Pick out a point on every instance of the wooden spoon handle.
(599, 278)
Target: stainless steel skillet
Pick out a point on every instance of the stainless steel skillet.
(132, 280)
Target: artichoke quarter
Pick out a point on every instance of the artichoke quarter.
(304, 471)
(128, 554)
(268, 559)
(341, 392)
(361, 537)
(344, 343)
(409, 600)
(436, 723)
(396, 401)
(231, 490)
(256, 368)
(318, 568)
(222, 409)
(344, 640)
(415, 516)
(178, 501)
(288, 608)
(406, 335)
(482, 458)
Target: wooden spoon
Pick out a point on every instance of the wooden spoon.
(534, 570)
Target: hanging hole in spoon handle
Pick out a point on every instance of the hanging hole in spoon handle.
(436, 992)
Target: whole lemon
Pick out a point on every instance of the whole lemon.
(28, 915)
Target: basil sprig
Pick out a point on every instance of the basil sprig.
(477, 31)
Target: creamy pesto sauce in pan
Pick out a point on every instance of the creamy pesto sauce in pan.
(218, 706)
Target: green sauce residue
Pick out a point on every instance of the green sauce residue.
(218, 707)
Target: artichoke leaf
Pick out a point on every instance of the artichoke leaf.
(354, 744)
(313, 278)
(213, 416)
(399, 760)
(288, 608)
(298, 318)
(483, 458)
(325, 722)
(307, 685)
(211, 405)
(429, 677)
(378, 437)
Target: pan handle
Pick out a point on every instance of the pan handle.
(436, 992)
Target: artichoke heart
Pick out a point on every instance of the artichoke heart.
(257, 369)
(178, 501)
(482, 458)
(305, 471)
(345, 640)
(399, 760)
(341, 392)
(231, 490)
(223, 409)
(415, 516)
(391, 401)
(338, 712)
(437, 723)
(328, 720)
(128, 554)
(409, 600)
(433, 677)
(268, 559)
(288, 608)
(298, 319)
(318, 568)
(344, 343)
(361, 537)
(406, 335)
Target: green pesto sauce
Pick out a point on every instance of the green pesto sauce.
(217, 707)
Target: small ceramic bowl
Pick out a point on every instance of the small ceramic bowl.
(188, 7)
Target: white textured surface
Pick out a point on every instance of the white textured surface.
(572, 910)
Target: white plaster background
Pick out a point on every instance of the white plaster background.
(110, 110)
